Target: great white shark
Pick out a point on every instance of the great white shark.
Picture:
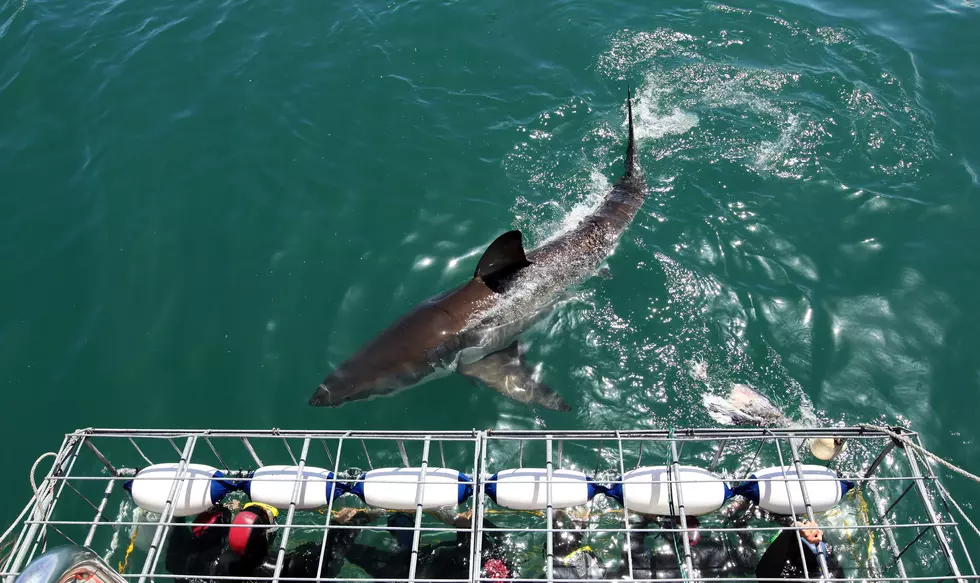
(472, 330)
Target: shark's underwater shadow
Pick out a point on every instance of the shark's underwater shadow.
(473, 329)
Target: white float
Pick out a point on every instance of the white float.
(781, 494)
(645, 490)
(273, 485)
(200, 488)
(396, 488)
(525, 488)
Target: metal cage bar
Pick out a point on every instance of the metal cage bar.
(159, 534)
(333, 494)
(549, 560)
(682, 513)
(931, 513)
(291, 514)
(419, 502)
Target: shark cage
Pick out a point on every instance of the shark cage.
(665, 505)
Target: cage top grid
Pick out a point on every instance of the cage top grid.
(101, 458)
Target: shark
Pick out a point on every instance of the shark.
(474, 329)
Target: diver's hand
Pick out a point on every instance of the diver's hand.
(345, 515)
(811, 535)
(463, 520)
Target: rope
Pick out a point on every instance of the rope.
(537, 513)
(129, 550)
(30, 503)
(34, 468)
(18, 519)
(43, 501)
(863, 514)
(5, 551)
(946, 493)
(906, 441)
(866, 516)
(931, 456)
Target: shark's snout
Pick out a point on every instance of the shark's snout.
(322, 398)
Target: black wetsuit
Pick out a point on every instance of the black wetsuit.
(304, 559)
(190, 554)
(712, 557)
(579, 564)
(782, 560)
(446, 560)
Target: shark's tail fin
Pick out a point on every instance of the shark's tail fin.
(631, 167)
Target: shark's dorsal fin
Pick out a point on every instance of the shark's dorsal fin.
(503, 258)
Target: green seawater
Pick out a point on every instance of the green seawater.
(206, 205)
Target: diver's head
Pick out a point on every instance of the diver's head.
(250, 530)
(209, 527)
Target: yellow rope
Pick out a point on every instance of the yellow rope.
(129, 550)
(538, 513)
(866, 516)
(585, 549)
(862, 512)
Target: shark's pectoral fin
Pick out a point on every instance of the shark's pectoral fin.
(502, 259)
(506, 373)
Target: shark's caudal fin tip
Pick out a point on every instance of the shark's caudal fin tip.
(631, 146)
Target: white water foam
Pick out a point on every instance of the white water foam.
(649, 119)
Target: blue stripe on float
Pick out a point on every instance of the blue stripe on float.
(491, 488)
(247, 488)
(594, 487)
(338, 488)
(220, 487)
(358, 488)
(616, 492)
(465, 490)
(749, 490)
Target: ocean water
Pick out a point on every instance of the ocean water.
(205, 206)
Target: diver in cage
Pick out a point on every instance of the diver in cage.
(712, 556)
(193, 548)
(217, 545)
(251, 552)
(783, 559)
(444, 560)
(571, 560)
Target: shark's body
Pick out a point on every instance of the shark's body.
(472, 329)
